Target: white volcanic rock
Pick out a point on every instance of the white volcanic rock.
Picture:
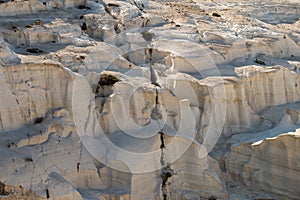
(265, 160)
(55, 32)
(81, 116)
(44, 93)
(21, 7)
(201, 176)
(59, 188)
(271, 91)
(10, 111)
(7, 56)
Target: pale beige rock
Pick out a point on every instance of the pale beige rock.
(7, 56)
(82, 116)
(21, 7)
(268, 165)
(32, 95)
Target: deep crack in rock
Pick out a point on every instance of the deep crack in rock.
(166, 171)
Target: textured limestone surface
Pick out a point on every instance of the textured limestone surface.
(149, 99)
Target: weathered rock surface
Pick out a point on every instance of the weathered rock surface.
(265, 160)
(149, 99)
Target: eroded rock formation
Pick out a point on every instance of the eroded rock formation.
(149, 99)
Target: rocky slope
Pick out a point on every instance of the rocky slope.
(149, 99)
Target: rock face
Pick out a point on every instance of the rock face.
(31, 96)
(264, 160)
(259, 166)
(15, 8)
(149, 99)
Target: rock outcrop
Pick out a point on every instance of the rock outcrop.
(265, 160)
(149, 99)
